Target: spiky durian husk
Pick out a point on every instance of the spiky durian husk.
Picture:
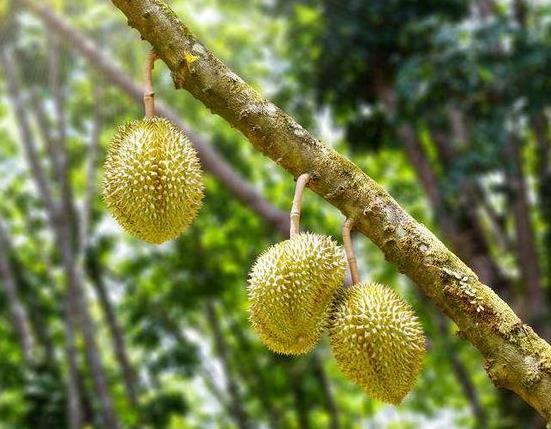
(290, 289)
(153, 183)
(377, 340)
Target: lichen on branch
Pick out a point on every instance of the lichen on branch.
(516, 358)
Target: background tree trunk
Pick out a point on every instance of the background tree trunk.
(117, 337)
(536, 308)
(239, 413)
(20, 319)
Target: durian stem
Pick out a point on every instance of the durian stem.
(349, 250)
(302, 181)
(148, 93)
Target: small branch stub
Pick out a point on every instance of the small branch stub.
(349, 250)
(302, 181)
(149, 94)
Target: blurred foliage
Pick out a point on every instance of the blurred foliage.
(319, 60)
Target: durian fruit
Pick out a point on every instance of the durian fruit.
(153, 183)
(291, 287)
(377, 340)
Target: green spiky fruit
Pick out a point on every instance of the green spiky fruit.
(153, 183)
(377, 340)
(291, 287)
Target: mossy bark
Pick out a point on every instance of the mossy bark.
(516, 358)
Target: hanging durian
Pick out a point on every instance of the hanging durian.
(291, 287)
(153, 183)
(375, 336)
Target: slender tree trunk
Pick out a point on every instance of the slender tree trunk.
(58, 153)
(75, 411)
(20, 319)
(68, 244)
(496, 220)
(462, 375)
(543, 170)
(38, 308)
(78, 304)
(39, 323)
(239, 413)
(63, 228)
(258, 383)
(330, 402)
(92, 264)
(94, 150)
(528, 262)
(296, 380)
(117, 336)
(75, 414)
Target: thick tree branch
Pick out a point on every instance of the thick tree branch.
(516, 358)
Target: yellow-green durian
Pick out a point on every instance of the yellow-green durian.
(377, 340)
(153, 183)
(291, 287)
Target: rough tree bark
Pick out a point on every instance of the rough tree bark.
(516, 358)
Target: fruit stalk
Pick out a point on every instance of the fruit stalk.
(302, 181)
(349, 251)
(148, 93)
